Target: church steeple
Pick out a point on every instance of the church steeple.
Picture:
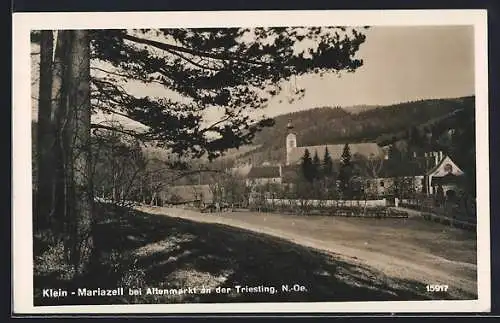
(291, 141)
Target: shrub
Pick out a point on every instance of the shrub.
(53, 261)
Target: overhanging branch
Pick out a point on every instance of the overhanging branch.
(169, 47)
(110, 128)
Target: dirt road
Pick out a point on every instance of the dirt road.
(401, 248)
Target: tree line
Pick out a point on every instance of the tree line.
(315, 170)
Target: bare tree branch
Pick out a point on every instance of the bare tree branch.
(113, 111)
(110, 72)
(130, 133)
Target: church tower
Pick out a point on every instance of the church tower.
(291, 141)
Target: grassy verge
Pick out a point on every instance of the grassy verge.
(141, 250)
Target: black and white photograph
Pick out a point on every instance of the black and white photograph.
(248, 162)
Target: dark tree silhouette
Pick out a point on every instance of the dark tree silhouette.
(346, 156)
(345, 172)
(327, 163)
(307, 166)
(45, 132)
(233, 68)
(316, 166)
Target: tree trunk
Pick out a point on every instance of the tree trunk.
(122, 195)
(143, 194)
(79, 198)
(58, 112)
(45, 134)
(153, 197)
(114, 191)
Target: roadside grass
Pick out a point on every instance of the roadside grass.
(141, 250)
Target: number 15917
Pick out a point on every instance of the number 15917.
(437, 288)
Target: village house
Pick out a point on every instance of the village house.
(265, 174)
(432, 174)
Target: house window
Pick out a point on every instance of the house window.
(381, 183)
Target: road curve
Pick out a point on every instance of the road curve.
(417, 265)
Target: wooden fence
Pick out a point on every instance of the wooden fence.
(343, 208)
(319, 203)
(447, 213)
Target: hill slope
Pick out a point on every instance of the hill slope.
(334, 125)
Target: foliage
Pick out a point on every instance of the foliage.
(369, 167)
(234, 69)
(345, 172)
(316, 166)
(229, 188)
(307, 166)
(345, 159)
(117, 166)
(327, 167)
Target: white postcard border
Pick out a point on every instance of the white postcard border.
(21, 142)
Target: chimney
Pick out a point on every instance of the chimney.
(436, 158)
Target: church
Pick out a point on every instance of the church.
(294, 153)
(438, 173)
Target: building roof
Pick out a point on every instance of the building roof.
(444, 167)
(419, 166)
(406, 169)
(366, 149)
(264, 172)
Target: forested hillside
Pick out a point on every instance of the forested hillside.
(417, 126)
(384, 124)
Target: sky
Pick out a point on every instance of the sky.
(400, 64)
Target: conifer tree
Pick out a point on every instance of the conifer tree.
(316, 166)
(346, 155)
(307, 166)
(327, 164)
(345, 172)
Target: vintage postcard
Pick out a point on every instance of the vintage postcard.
(251, 162)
